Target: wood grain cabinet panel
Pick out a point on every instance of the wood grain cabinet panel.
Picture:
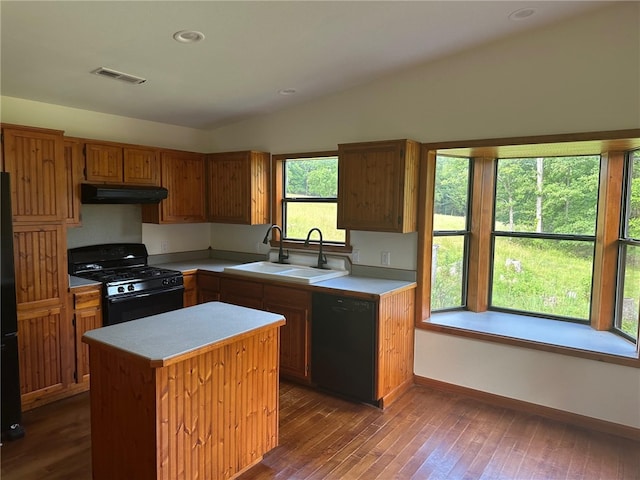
(238, 187)
(115, 163)
(74, 164)
(103, 163)
(141, 166)
(208, 287)
(42, 361)
(40, 265)
(241, 292)
(183, 174)
(190, 296)
(295, 306)
(87, 315)
(377, 186)
(35, 160)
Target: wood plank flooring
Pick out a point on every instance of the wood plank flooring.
(426, 434)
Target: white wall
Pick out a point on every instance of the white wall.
(579, 76)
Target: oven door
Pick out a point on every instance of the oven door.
(130, 307)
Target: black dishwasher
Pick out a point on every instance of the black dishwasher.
(343, 341)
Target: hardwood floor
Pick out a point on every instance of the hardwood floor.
(424, 434)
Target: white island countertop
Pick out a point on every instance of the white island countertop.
(173, 336)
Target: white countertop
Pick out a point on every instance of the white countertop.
(159, 338)
(347, 284)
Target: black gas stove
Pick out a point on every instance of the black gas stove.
(131, 288)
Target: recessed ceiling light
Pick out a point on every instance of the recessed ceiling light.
(188, 36)
(522, 14)
(287, 91)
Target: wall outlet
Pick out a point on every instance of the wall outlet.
(385, 258)
(164, 246)
(355, 256)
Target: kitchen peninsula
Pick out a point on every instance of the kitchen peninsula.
(191, 393)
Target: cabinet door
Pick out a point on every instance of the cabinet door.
(208, 287)
(377, 186)
(74, 168)
(44, 336)
(87, 316)
(241, 292)
(103, 163)
(295, 305)
(141, 166)
(182, 173)
(35, 160)
(190, 290)
(239, 187)
(43, 365)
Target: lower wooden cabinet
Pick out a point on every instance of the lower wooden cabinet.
(190, 289)
(208, 287)
(295, 305)
(241, 292)
(42, 350)
(87, 315)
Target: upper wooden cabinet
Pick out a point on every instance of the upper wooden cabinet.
(74, 166)
(239, 187)
(35, 160)
(183, 174)
(115, 164)
(377, 186)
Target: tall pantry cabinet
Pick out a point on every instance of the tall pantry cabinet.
(35, 161)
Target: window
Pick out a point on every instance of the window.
(450, 232)
(544, 235)
(306, 197)
(628, 295)
(544, 249)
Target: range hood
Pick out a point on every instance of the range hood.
(122, 194)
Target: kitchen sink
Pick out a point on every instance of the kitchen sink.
(285, 272)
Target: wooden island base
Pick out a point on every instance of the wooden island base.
(209, 414)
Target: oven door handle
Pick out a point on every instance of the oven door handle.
(143, 295)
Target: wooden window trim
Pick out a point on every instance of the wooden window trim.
(278, 193)
(611, 145)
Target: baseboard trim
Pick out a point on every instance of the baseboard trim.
(520, 405)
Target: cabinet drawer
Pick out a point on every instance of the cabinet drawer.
(89, 299)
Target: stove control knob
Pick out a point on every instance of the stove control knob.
(172, 281)
(165, 281)
(120, 289)
(131, 288)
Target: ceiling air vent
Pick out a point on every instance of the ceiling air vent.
(125, 77)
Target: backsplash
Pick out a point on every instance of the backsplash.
(107, 224)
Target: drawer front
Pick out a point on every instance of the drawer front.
(286, 296)
(89, 299)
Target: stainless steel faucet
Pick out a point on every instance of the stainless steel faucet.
(322, 259)
(282, 258)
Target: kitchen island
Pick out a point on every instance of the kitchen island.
(186, 394)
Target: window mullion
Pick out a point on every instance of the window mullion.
(607, 234)
(483, 186)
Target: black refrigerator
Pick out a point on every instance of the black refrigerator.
(10, 393)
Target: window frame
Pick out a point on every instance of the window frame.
(466, 233)
(624, 242)
(536, 235)
(278, 188)
(611, 145)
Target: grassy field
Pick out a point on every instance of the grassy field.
(529, 275)
(302, 217)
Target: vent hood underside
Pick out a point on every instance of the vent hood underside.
(121, 194)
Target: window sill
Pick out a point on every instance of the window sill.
(539, 333)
